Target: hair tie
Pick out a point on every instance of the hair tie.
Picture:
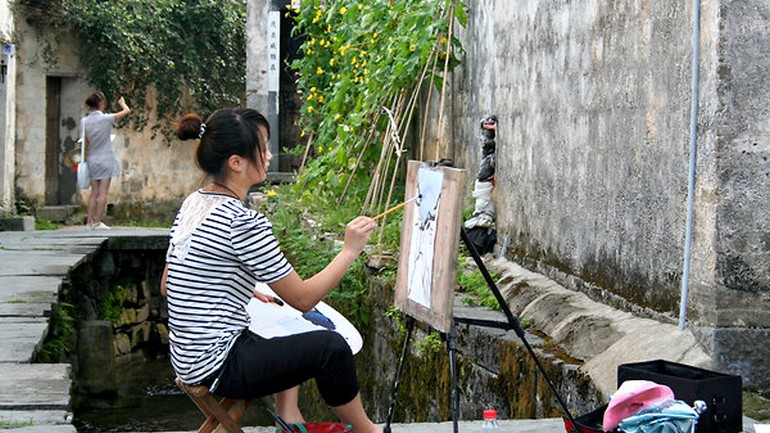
(202, 130)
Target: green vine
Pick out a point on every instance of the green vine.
(178, 50)
(358, 58)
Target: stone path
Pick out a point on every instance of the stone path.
(34, 398)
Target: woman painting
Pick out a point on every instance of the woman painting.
(219, 250)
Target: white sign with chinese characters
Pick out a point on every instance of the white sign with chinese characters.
(273, 50)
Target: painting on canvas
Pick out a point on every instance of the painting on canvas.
(430, 234)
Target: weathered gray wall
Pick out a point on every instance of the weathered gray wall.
(593, 102)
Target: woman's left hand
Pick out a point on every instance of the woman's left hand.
(266, 298)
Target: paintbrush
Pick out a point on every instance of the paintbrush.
(397, 207)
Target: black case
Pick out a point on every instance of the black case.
(721, 392)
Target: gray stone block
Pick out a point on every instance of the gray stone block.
(18, 224)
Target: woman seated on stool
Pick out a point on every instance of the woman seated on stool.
(219, 249)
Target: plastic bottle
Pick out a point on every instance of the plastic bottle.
(490, 422)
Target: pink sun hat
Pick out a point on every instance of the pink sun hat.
(632, 396)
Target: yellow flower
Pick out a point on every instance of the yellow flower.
(412, 48)
(337, 116)
(321, 99)
(310, 109)
(320, 149)
(319, 71)
(311, 42)
(271, 192)
(313, 89)
(303, 133)
(331, 61)
(343, 10)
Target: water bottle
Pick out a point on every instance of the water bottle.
(490, 422)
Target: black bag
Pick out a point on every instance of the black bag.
(483, 239)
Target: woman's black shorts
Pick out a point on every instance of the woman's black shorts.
(256, 367)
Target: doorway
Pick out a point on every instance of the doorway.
(61, 132)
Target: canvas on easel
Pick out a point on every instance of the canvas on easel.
(427, 264)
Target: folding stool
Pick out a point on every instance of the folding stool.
(219, 414)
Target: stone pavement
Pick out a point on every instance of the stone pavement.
(34, 398)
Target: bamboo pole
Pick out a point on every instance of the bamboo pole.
(370, 135)
(427, 106)
(307, 150)
(443, 82)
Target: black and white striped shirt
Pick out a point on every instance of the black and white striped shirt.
(219, 250)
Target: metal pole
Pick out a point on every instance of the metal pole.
(693, 148)
(454, 398)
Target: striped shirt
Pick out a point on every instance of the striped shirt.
(219, 250)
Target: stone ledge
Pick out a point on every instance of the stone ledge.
(18, 224)
(601, 336)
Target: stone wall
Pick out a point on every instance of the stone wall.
(118, 310)
(593, 101)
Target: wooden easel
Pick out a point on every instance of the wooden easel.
(511, 323)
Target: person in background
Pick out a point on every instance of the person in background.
(219, 249)
(102, 163)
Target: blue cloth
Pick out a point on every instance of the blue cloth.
(667, 416)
